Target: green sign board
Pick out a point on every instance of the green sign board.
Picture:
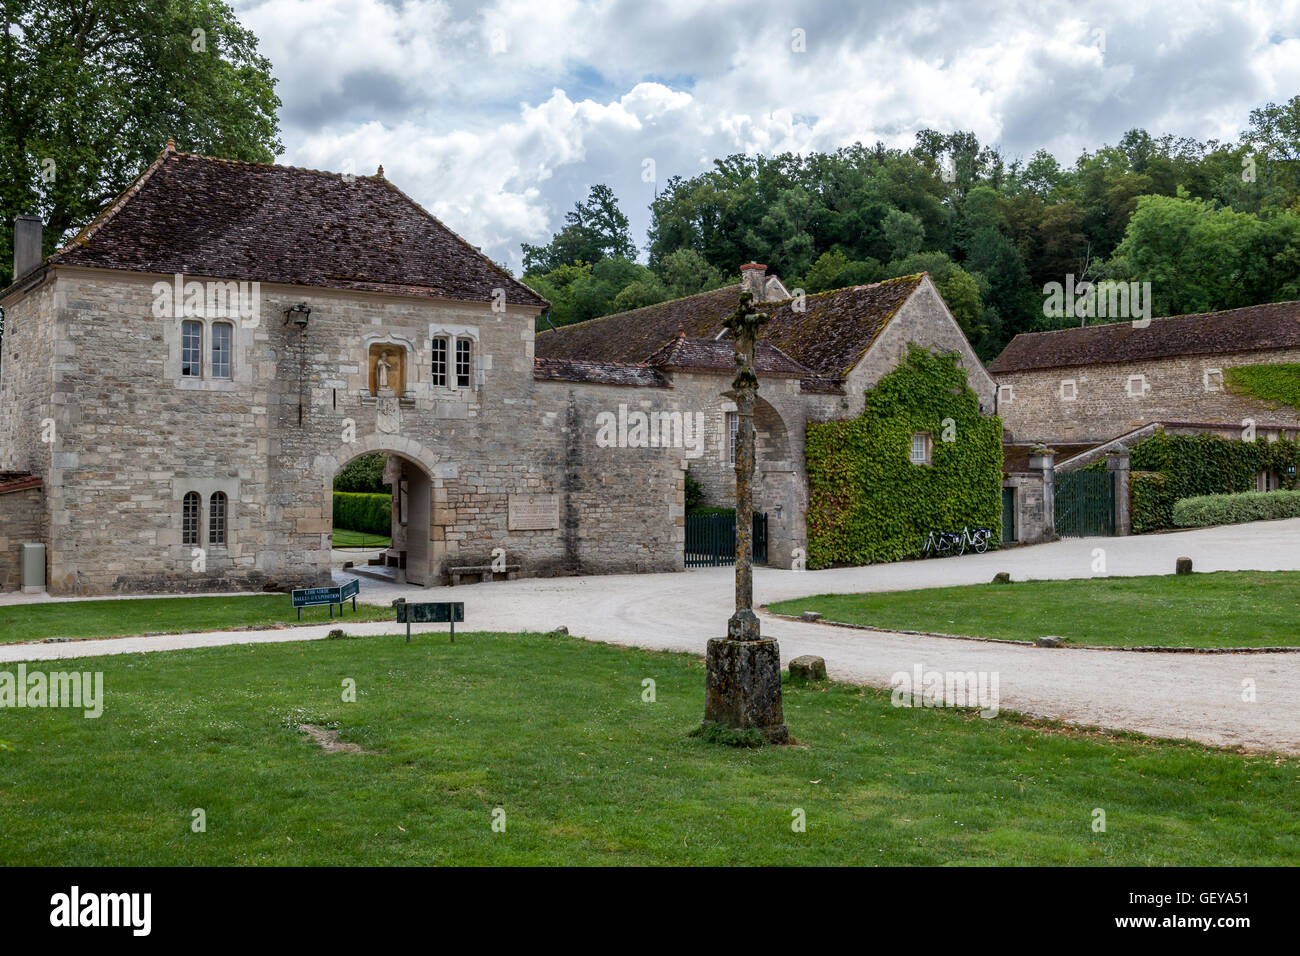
(437, 612)
(311, 597)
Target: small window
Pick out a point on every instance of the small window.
(190, 518)
(192, 349)
(462, 363)
(222, 336)
(921, 448)
(733, 435)
(217, 519)
(440, 362)
(1213, 379)
(1006, 393)
(1069, 390)
(1137, 386)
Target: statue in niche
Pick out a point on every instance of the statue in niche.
(387, 370)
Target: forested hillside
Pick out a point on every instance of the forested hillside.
(1209, 225)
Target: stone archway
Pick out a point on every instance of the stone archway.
(778, 489)
(414, 495)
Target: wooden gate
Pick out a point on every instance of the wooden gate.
(711, 540)
(1085, 503)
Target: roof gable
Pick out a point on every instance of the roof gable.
(197, 215)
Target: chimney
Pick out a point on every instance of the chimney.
(27, 244)
(753, 278)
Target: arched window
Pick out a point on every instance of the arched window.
(217, 519)
(190, 518)
(223, 334)
(192, 349)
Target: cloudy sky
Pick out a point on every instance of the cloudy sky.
(498, 115)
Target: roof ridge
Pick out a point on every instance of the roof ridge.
(1156, 318)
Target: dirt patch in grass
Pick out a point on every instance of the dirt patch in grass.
(328, 741)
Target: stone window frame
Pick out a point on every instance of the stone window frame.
(1207, 381)
(205, 489)
(1073, 394)
(189, 347)
(454, 335)
(206, 380)
(1006, 393)
(212, 350)
(927, 449)
(1141, 392)
(733, 435)
(438, 375)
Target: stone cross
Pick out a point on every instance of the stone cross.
(744, 324)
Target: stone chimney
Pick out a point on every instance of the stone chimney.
(753, 278)
(27, 244)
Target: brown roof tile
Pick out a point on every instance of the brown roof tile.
(1254, 328)
(828, 336)
(720, 355)
(201, 216)
(598, 373)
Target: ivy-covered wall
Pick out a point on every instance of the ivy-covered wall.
(867, 502)
(1275, 385)
(1185, 466)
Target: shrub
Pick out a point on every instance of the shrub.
(1205, 510)
(1151, 501)
(694, 493)
(369, 513)
(363, 475)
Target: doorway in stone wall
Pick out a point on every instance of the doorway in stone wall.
(384, 527)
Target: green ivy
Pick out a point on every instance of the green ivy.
(1275, 385)
(1186, 466)
(867, 502)
(369, 513)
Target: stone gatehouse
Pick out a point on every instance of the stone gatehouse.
(187, 375)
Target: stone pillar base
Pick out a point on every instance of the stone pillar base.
(743, 687)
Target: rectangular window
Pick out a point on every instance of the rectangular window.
(1213, 379)
(1137, 386)
(462, 363)
(222, 333)
(1005, 393)
(440, 362)
(920, 449)
(1069, 390)
(733, 435)
(190, 518)
(192, 349)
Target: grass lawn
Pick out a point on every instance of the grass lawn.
(553, 731)
(34, 622)
(1222, 609)
(343, 538)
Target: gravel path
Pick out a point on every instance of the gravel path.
(1192, 696)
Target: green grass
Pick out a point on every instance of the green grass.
(554, 731)
(132, 616)
(1222, 609)
(344, 538)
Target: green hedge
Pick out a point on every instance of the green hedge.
(867, 502)
(1205, 510)
(1194, 465)
(370, 513)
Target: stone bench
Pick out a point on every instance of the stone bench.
(485, 572)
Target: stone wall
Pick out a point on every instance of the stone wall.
(22, 521)
(1115, 398)
(28, 371)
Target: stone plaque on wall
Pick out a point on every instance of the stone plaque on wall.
(533, 512)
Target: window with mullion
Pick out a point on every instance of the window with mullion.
(440, 363)
(192, 349)
(463, 363)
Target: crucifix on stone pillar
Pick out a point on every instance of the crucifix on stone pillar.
(743, 670)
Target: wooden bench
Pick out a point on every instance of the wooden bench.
(485, 572)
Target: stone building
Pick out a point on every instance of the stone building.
(817, 357)
(1091, 384)
(181, 382)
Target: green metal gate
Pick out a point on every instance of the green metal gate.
(1085, 503)
(1008, 515)
(711, 540)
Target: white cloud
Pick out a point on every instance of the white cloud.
(499, 117)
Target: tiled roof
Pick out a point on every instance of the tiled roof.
(219, 218)
(1254, 328)
(17, 481)
(828, 336)
(597, 373)
(720, 355)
